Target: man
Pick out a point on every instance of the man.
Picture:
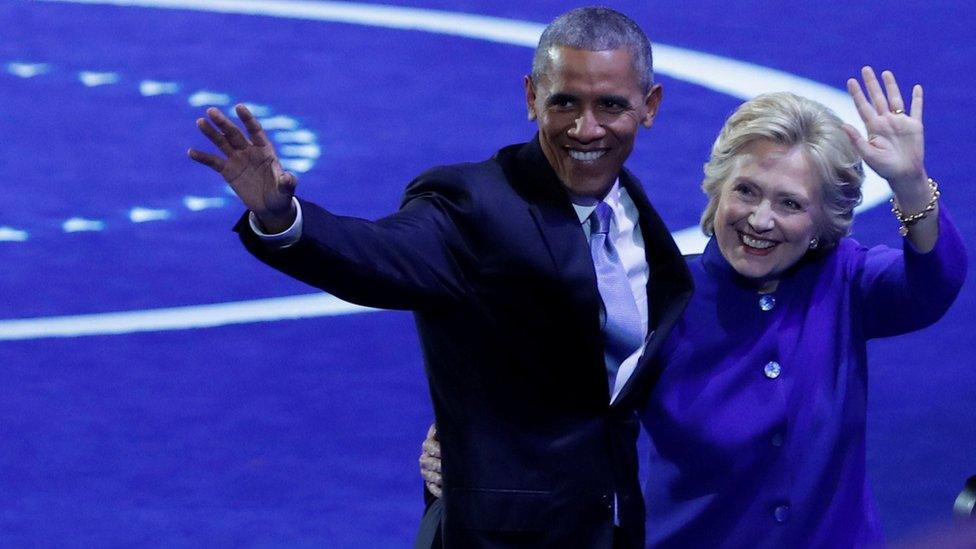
(542, 282)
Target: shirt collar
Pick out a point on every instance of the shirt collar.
(612, 198)
(714, 262)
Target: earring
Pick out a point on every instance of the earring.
(814, 243)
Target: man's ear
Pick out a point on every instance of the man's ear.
(530, 97)
(652, 101)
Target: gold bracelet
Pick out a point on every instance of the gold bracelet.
(906, 221)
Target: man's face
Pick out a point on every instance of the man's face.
(588, 106)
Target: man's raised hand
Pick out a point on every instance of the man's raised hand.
(250, 167)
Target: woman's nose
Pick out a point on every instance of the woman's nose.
(761, 218)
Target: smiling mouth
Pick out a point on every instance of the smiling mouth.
(755, 245)
(586, 156)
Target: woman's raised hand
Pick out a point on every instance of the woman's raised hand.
(895, 145)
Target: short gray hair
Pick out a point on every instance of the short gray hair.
(596, 29)
(788, 119)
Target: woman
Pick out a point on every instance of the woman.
(757, 420)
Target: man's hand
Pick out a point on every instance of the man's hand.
(430, 462)
(250, 167)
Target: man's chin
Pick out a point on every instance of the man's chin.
(588, 187)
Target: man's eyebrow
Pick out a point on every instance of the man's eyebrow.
(619, 99)
(559, 98)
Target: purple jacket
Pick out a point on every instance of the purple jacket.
(758, 420)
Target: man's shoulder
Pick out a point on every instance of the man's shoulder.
(473, 177)
(493, 165)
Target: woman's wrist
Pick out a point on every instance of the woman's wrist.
(915, 208)
(912, 194)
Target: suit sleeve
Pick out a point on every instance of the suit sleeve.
(904, 290)
(412, 259)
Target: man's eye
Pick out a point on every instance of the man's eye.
(744, 190)
(792, 205)
(613, 106)
(562, 102)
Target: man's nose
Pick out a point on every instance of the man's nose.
(761, 219)
(587, 128)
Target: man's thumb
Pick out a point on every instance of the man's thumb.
(287, 181)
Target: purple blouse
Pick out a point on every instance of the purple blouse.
(758, 421)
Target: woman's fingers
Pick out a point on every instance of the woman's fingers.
(895, 101)
(434, 489)
(874, 90)
(431, 448)
(917, 102)
(428, 463)
(860, 101)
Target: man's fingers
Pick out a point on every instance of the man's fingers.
(226, 127)
(214, 136)
(432, 431)
(210, 160)
(254, 129)
(288, 182)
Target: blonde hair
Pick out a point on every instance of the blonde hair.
(788, 119)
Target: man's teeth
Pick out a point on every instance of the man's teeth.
(757, 243)
(586, 156)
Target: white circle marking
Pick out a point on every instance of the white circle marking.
(736, 78)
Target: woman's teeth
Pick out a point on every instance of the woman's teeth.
(756, 242)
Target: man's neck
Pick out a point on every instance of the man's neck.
(586, 200)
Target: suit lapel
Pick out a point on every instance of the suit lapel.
(669, 288)
(553, 214)
(669, 283)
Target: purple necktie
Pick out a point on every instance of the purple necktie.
(623, 331)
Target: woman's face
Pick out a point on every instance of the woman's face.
(768, 211)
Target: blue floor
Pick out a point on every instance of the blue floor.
(306, 432)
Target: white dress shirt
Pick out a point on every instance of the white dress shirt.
(626, 235)
(286, 237)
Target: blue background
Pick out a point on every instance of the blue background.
(306, 433)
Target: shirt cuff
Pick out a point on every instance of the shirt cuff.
(283, 239)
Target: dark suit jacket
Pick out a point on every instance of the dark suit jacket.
(492, 260)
